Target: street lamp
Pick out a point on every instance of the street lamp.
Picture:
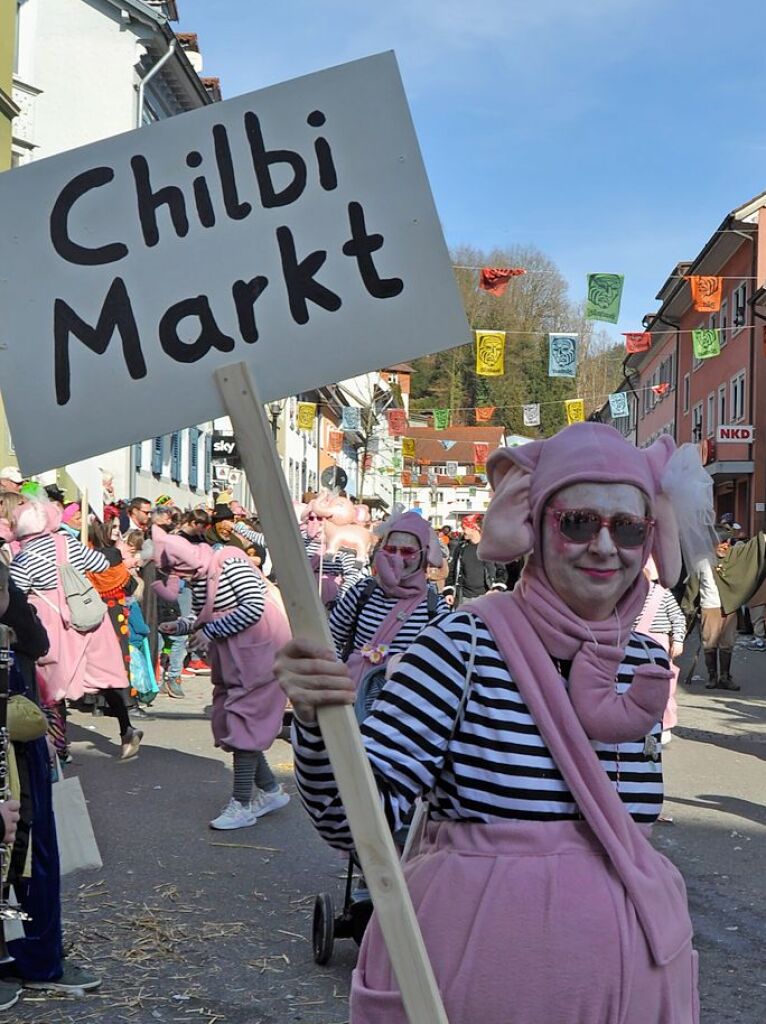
(275, 411)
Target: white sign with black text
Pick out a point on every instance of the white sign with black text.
(293, 228)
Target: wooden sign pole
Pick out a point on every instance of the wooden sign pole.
(84, 517)
(372, 838)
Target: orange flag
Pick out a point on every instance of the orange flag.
(706, 293)
(335, 441)
(496, 279)
(485, 413)
(406, 478)
(638, 341)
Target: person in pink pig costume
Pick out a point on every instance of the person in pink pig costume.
(77, 663)
(529, 723)
(236, 613)
(337, 550)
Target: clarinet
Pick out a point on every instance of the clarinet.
(7, 912)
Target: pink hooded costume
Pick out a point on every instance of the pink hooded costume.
(76, 663)
(248, 703)
(571, 921)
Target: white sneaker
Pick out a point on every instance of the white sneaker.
(264, 803)
(235, 815)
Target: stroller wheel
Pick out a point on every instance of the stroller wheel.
(323, 928)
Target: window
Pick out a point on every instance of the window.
(696, 363)
(16, 42)
(724, 314)
(697, 422)
(687, 390)
(739, 308)
(711, 414)
(737, 399)
(721, 404)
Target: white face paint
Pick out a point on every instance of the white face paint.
(591, 578)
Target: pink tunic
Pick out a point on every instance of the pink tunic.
(248, 702)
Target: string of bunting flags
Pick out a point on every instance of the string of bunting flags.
(604, 297)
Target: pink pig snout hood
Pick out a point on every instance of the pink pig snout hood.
(525, 478)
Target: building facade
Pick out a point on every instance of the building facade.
(709, 401)
(84, 72)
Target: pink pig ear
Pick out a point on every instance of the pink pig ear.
(507, 533)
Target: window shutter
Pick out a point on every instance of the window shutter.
(193, 457)
(175, 457)
(137, 454)
(158, 455)
(208, 463)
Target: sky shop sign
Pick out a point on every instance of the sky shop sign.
(736, 432)
(292, 228)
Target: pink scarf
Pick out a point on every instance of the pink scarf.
(390, 568)
(596, 650)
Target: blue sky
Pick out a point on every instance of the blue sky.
(614, 135)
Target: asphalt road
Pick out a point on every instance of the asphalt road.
(186, 924)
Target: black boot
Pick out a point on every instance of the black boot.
(711, 663)
(726, 682)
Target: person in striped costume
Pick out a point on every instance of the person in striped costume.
(380, 616)
(340, 571)
(234, 612)
(529, 722)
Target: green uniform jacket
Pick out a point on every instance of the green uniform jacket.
(738, 575)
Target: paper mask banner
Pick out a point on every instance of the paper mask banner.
(441, 419)
(531, 415)
(447, 445)
(406, 478)
(562, 355)
(408, 447)
(458, 480)
(397, 422)
(484, 413)
(638, 341)
(604, 295)
(452, 469)
(396, 461)
(575, 408)
(660, 389)
(306, 415)
(495, 280)
(373, 445)
(706, 293)
(480, 451)
(479, 469)
(335, 441)
(352, 418)
(490, 353)
(618, 405)
(707, 343)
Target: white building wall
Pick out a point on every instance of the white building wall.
(82, 59)
(77, 82)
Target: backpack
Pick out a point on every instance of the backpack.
(86, 608)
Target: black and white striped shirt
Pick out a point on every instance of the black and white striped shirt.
(375, 607)
(342, 563)
(35, 567)
(669, 619)
(499, 767)
(241, 593)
